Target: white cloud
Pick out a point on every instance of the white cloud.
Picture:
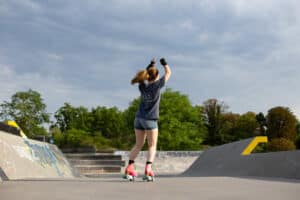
(203, 37)
(9, 8)
(243, 52)
(33, 6)
(187, 25)
(55, 91)
(54, 56)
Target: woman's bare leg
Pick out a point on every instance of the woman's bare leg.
(140, 137)
(152, 143)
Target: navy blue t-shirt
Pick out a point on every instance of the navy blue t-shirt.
(150, 98)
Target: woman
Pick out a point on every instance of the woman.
(145, 123)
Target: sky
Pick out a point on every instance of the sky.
(245, 53)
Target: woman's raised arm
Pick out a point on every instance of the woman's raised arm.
(166, 68)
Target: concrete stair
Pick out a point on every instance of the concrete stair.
(96, 164)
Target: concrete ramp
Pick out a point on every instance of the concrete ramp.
(22, 158)
(227, 160)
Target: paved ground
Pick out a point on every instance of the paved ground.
(112, 188)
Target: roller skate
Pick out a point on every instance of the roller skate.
(130, 173)
(149, 174)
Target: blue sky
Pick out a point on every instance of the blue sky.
(245, 53)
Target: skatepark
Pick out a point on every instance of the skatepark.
(36, 170)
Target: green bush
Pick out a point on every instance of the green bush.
(260, 148)
(75, 137)
(281, 123)
(98, 142)
(281, 144)
(59, 139)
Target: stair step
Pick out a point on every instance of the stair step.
(93, 156)
(97, 162)
(103, 175)
(93, 167)
(94, 170)
(85, 150)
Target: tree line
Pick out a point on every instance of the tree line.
(182, 126)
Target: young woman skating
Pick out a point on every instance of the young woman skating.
(145, 123)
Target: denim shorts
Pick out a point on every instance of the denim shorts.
(145, 124)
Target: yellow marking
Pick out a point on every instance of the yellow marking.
(14, 124)
(254, 143)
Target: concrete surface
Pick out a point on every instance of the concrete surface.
(226, 160)
(24, 158)
(206, 179)
(173, 188)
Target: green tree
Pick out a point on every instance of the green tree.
(298, 128)
(281, 144)
(228, 128)
(237, 127)
(28, 110)
(69, 117)
(213, 114)
(282, 124)
(247, 126)
(262, 121)
(99, 127)
(181, 125)
(59, 138)
(298, 135)
(110, 122)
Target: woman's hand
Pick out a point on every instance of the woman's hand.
(167, 69)
(163, 62)
(152, 63)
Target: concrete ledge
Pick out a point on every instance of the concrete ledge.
(161, 154)
(9, 129)
(166, 162)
